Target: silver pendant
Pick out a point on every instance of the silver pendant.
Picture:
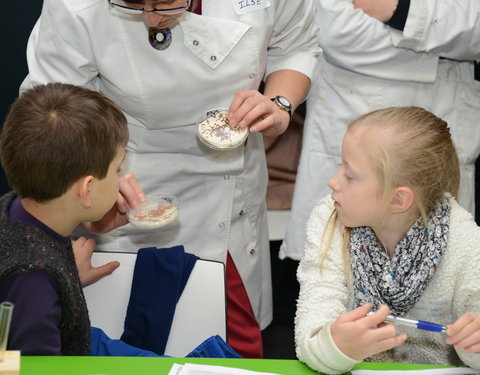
(159, 38)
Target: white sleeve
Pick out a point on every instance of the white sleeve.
(58, 49)
(463, 243)
(448, 28)
(323, 297)
(354, 41)
(294, 44)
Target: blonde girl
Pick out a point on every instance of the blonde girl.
(391, 238)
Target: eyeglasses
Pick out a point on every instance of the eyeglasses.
(121, 5)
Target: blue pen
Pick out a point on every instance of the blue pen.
(419, 324)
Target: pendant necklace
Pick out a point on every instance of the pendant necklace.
(159, 38)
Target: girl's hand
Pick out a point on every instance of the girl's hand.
(356, 334)
(130, 193)
(464, 334)
(252, 109)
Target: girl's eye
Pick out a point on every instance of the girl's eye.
(348, 177)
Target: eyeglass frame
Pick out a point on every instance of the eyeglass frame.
(154, 10)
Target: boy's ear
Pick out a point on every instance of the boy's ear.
(402, 200)
(84, 187)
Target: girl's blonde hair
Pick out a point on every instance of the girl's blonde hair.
(418, 153)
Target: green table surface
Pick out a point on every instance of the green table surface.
(161, 366)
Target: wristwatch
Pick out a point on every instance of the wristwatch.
(283, 103)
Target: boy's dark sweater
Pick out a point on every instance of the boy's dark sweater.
(39, 265)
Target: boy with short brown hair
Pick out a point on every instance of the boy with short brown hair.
(61, 148)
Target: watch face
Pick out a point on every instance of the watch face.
(284, 101)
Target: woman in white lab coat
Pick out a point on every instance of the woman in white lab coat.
(362, 69)
(213, 60)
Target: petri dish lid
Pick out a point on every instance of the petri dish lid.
(156, 211)
(213, 131)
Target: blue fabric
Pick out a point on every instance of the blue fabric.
(104, 346)
(158, 281)
(214, 347)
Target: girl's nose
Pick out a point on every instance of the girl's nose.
(333, 181)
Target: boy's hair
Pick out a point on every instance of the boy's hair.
(418, 153)
(55, 134)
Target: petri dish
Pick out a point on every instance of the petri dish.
(156, 211)
(213, 131)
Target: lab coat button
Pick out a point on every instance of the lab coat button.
(213, 58)
(221, 225)
(241, 213)
(226, 177)
(195, 43)
(252, 75)
(252, 251)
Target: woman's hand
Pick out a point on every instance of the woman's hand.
(130, 193)
(251, 109)
(83, 249)
(464, 334)
(356, 334)
(382, 10)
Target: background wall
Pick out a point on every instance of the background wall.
(17, 21)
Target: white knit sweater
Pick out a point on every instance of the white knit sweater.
(453, 290)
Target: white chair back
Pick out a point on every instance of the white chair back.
(200, 311)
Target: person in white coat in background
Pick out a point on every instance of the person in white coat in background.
(165, 63)
(450, 29)
(364, 67)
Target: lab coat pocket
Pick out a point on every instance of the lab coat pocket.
(336, 98)
(468, 106)
(456, 100)
(180, 148)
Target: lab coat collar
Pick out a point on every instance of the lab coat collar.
(211, 39)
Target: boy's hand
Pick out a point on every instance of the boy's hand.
(83, 249)
(465, 333)
(129, 195)
(358, 337)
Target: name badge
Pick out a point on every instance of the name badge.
(247, 6)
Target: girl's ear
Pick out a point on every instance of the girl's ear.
(84, 188)
(402, 200)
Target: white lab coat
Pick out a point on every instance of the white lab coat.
(448, 28)
(362, 70)
(163, 93)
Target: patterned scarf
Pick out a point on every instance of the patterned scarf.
(399, 281)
